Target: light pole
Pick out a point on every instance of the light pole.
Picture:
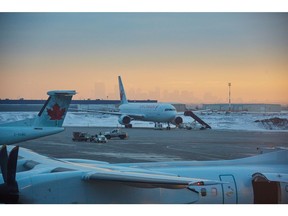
(229, 84)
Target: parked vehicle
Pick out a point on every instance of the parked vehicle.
(116, 133)
(85, 137)
(100, 138)
(79, 136)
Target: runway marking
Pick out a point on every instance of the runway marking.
(146, 143)
(194, 151)
(138, 156)
(47, 142)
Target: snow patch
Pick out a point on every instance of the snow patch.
(217, 120)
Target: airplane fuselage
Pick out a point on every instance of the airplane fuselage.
(155, 112)
(10, 135)
(239, 189)
(243, 176)
(45, 180)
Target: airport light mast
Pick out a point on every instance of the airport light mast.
(229, 84)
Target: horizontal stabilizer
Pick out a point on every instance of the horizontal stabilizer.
(62, 92)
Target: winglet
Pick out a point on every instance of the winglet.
(122, 91)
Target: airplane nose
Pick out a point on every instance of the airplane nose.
(173, 115)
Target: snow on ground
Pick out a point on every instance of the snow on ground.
(220, 120)
(240, 120)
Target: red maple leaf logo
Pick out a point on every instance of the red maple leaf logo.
(56, 113)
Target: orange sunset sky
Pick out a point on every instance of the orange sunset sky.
(170, 57)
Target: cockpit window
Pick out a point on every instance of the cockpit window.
(169, 109)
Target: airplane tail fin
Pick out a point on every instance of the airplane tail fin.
(55, 109)
(122, 91)
(52, 113)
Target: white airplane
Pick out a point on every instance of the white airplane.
(33, 178)
(153, 112)
(49, 120)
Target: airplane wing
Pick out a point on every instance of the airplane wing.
(147, 180)
(133, 116)
(104, 172)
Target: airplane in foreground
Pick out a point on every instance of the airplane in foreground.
(28, 177)
(48, 121)
(153, 112)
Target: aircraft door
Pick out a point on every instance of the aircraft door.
(229, 191)
(265, 191)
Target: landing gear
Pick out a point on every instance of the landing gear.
(158, 126)
(168, 127)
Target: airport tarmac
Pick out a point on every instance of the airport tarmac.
(147, 145)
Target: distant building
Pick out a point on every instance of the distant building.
(35, 105)
(179, 107)
(76, 105)
(244, 107)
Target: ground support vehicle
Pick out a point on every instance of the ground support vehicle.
(100, 139)
(116, 133)
(79, 136)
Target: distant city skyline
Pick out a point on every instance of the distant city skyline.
(170, 57)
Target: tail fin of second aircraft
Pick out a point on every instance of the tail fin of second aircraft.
(122, 91)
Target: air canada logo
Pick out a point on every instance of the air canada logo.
(56, 113)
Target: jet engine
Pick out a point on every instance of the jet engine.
(177, 120)
(124, 120)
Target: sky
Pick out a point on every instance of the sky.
(170, 57)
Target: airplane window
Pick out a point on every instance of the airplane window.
(214, 191)
(203, 192)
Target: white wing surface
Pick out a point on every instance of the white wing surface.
(147, 180)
